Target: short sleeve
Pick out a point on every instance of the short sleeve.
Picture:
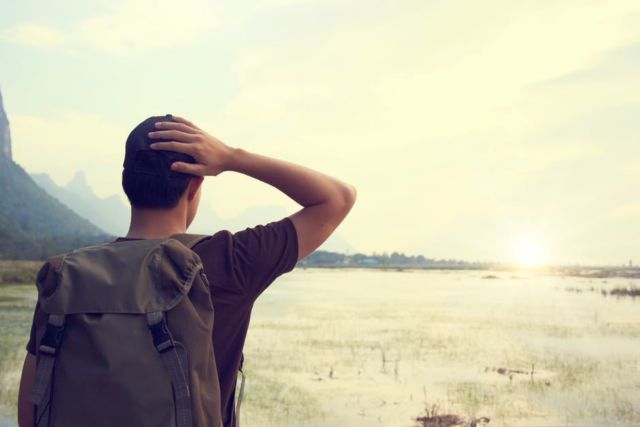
(264, 252)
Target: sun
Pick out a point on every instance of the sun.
(530, 252)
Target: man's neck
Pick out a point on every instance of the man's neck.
(155, 223)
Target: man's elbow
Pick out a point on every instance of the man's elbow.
(339, 206)
(348, 197)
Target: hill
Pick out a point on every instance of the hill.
(33, 224)
(108, 213)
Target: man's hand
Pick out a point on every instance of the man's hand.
(212, 155)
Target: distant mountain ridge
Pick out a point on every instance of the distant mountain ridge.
(112, 215)
(108, 213)
(5, 134)
(33, 224)
(39, 218)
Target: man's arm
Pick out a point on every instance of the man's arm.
(326, 200)
(25, 408)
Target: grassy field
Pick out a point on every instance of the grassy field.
(16, 311)
(422, 348)
(18, 272)
(414, 348)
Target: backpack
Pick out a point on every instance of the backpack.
(128, 337)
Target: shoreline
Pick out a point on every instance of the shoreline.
(24, 272)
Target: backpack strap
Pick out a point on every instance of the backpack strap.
(40, 392)
(163, 340)
(240, 393)
(164, 343)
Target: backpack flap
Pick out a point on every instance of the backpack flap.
(136, 276)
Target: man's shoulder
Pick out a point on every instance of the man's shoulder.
(216, 241)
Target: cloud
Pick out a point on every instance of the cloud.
(137, 26)
(36, 35)
(126, 27)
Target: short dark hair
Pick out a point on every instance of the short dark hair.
(147, 178)
(152, 191)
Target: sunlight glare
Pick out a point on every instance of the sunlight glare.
(529, 252)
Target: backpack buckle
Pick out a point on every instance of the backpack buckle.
(51, 340)
(162, 338)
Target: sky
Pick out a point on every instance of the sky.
(490, 131)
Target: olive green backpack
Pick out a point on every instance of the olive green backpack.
(127, 340)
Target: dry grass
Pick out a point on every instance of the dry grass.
(18, 272)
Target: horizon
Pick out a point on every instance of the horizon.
(488, 265)
(501, 130)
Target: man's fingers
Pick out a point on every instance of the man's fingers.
(185, 121)
(176, 126)
(191, 168)
(173, 134)
(179, 147)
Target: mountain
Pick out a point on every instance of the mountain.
(112, 215)
(108, 213)
(5, 134)
(33, 224)
(39, 217)
(207, 220)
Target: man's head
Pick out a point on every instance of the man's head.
(147, 178)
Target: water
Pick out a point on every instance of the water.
(378, 348)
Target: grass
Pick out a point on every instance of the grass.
(16, 311)
(515, 352)
(276, 400)
(18, 272)
(630, 291)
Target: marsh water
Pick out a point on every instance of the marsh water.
(357, 347)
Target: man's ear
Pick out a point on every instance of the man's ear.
(194, 186)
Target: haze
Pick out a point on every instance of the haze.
(489, 131)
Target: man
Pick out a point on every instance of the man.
(166, 160)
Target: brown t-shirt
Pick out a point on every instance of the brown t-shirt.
(239, 266)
